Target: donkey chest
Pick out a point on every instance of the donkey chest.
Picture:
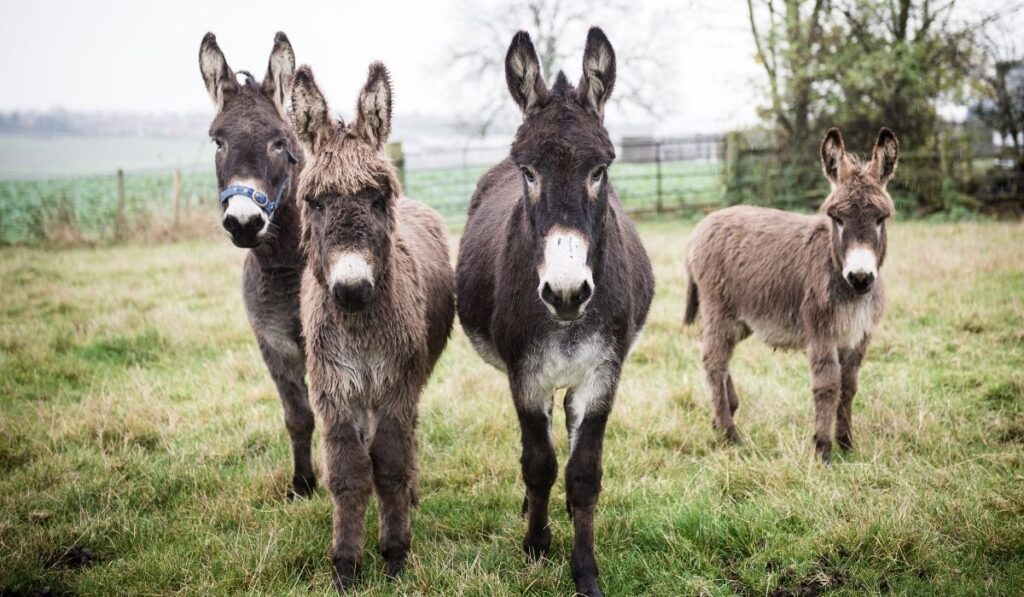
(559, 362)
(847, 325)
(854, 322)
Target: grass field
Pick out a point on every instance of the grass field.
(138, 422)
(81, 209)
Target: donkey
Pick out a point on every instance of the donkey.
(257, 172)
(378, 303)
(798, 281)
(554, 285)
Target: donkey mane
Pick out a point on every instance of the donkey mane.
(346, 166)
(860, 187)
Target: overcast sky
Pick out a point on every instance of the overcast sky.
(141, 56)
(137, 56)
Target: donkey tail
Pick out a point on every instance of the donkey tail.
(692, 302)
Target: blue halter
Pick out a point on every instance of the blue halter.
(261, 199)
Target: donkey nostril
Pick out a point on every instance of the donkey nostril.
(584, 292)
(548, 295)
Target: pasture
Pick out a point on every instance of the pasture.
(81, 208)
(138, 422)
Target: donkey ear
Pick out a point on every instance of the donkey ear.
(280, 69)
(373, 113)
(833, 155)
(309, 114)
(884, 155)
(598, 72)
(522, 74)
(220, 81)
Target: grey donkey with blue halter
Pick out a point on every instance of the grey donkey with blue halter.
(257, 171)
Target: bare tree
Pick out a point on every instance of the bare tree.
(558, 29)
(788, 35)
(1001, 82)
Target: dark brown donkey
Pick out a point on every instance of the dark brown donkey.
(378, 302)
(258, 164)
(798, 281)
(554, 284)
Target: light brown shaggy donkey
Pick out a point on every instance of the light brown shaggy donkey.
(798, 281)
(378, 301)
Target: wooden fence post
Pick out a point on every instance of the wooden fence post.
(119, 216)
(397, 157)
(659, 206)
(732, 165)
(176, 186)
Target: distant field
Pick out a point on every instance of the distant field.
(137, 421)
(34, 158)
(84, 208)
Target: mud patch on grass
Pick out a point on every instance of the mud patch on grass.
(822, 578)
(72, 558)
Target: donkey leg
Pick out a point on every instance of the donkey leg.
(288, 372)
(349, 479)
(718, 343)
(540, 467)
(583, 486)
(394, 474)
(849, 363)
(825, 382)
(734, 399)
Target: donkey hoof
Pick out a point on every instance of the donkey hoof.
(345, 570)
(536, 546)
(589, 588)
(824, 448)
(302, 487)
(730, 434)
(394, 564)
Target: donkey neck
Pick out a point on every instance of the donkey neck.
(281, 251)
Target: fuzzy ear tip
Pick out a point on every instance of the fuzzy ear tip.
(377, 69)
(280, 37)
(522, 38)
(303, 74)
(832, 137)
(209, 38)
(885, 135)
(596, 34)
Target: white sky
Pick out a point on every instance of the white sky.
(141, 56)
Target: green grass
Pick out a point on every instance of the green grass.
(138, 422)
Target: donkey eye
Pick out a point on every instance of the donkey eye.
(597, 175)
(381, 203)
(278, 145)
(315, 203)
(218, 143)
(528, 175)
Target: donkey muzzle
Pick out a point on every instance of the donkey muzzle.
(566, 281)
(861, 268)
(567, 304)
(352, 297)
(861, 281)
(351, 282)
(244, 221)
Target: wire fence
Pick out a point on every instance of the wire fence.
(650, 175)
(689, 174)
